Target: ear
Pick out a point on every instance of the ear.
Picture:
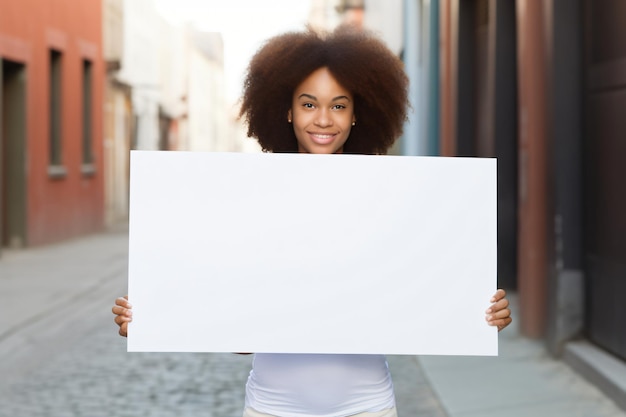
(289, 116)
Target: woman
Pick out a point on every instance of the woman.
(342, 92)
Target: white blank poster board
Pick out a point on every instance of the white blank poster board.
(296, 253)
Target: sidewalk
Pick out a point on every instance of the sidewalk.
(524, 380)
(56, 302)
(52, 295)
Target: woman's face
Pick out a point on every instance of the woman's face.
(322, 113)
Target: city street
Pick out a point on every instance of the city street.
(61, 355)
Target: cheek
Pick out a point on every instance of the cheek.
(299, 129)
(296, 123)
(300, 122)
(348, 125)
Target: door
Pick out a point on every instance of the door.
(12, 154)
(604, 174)
(487, 110)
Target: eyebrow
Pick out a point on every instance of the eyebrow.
(312, 97)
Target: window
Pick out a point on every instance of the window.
(55, 128)
(87, 116)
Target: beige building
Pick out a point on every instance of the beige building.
(118, 117)
(164, 91)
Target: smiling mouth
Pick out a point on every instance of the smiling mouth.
(322, 138)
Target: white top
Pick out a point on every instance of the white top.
(305, 385)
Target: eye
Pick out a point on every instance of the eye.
(338, 107)
(308, 105)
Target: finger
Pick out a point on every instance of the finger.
(121, 311)
(499, 306)
(498, 322)
(119, 320)
(499, 295)
(123, 302)
(499, 315)
(124, 330)
(501, 324)
(503, 316)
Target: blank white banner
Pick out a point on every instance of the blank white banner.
(297, 253)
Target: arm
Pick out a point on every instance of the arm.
(123, 314)
(499, 314)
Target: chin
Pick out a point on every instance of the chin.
(323, 149)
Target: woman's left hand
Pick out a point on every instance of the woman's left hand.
(499, 313)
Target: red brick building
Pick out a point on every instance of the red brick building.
(52, 73)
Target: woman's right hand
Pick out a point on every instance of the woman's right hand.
(123, 314)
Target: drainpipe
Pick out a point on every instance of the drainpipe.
(447, 71)
(532, 249)
(433, 79)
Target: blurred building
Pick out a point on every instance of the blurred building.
(51, 170)
(140, 69)
(208, 118)
(118, 116)
(164, 91)
(410, 28)
(173, 80)
(328, 14)
(323, 14)
(133, 94)
(541, 86)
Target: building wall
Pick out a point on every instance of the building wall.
(67, 201)
(141, 71)
(323, 14)
(568, 68)
(202, 135)
(208, 119)
(117, 117)
(173, 58)
(603, 154)
(117, 139)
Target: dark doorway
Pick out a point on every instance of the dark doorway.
(486, 112)
(604, 173)
(503, 133)
(13, 154)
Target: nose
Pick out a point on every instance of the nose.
(324, 118)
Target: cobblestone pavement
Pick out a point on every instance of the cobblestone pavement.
(97, 377)
(60, 355)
